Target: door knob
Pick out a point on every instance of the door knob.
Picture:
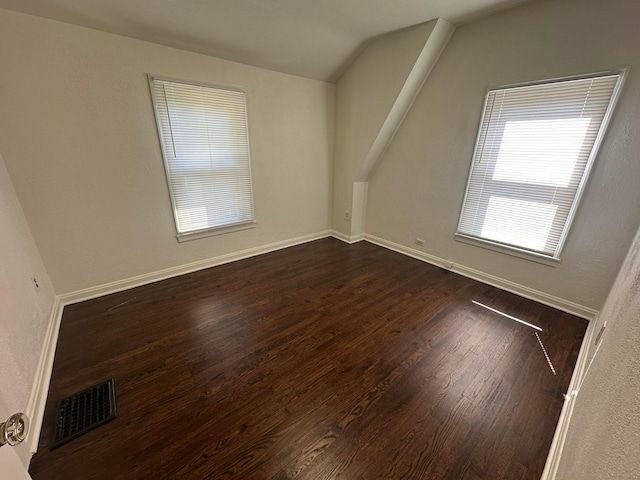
(14, 430)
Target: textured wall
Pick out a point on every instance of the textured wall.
(603, 441)
(418, 187)
(364, 96)
(80, 142)
(24, 313)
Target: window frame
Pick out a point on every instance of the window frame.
(212, 230)
(522, 252)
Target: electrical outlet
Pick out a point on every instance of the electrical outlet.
(347, 215)
(34, 281)
(419, 242)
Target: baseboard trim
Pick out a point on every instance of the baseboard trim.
(40, 388)
(526, 292)
(350, 239)
(131, 282)
(562, 428)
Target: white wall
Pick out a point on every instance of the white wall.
(24, 312)
(603, 440)
(12, 468)
(418, 187)
(80, 142)
(364, 96)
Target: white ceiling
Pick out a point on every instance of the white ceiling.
(311, 38)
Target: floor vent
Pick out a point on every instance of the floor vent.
(84, 411)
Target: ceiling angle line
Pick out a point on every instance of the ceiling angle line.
(508, 316)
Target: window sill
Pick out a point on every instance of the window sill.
(210, 232)
(513, 251)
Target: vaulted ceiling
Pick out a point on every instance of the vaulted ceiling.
(311, 38)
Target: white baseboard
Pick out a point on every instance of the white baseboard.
(40, 388)
(131, 282)
(347, 238)
(581, 367)
(501, 283)
(38, 398)
(560, 435)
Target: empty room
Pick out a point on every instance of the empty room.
(296, 239)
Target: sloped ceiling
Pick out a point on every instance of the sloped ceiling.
(311, 38)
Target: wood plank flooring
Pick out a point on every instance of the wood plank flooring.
(321, 361)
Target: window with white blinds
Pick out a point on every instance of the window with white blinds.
(205, 143)
(535, 146)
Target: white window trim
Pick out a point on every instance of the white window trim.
(213, 231)
(551, 260)
(210, 231)
(508, 250)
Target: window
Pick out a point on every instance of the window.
(205, 144)
(535, 146)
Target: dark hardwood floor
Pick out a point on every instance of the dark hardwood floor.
(321, 361)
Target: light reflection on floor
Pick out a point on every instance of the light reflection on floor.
(535, 327)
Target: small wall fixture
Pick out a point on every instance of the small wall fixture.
(14, 430)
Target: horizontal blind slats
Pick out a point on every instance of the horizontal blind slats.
(206, 148)
(534, 145)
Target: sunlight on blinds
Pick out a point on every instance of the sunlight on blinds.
(534, 149)
(518, 222)
(541, 151)
(206, 149)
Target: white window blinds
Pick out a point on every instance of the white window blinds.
(205, 143)
(534, 149)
